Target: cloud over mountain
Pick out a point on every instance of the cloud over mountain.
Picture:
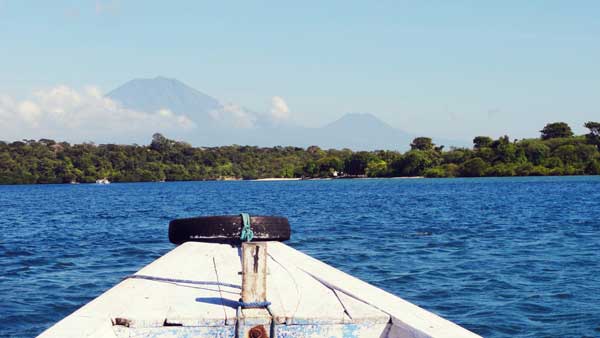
(63, 112)
(233, 116)
(141, 107)
(279, 109)
(161, 92)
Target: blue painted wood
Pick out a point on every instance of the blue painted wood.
(348, 330)
(225, 331)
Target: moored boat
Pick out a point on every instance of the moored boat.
(215, 285)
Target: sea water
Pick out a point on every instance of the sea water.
(499, 256)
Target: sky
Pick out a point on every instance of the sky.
(448, 69)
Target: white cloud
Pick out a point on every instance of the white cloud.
(29, 112)
(279, 109)
(233, 115)
(66, 113)
(7, 109)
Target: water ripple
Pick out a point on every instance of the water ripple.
(502, 257)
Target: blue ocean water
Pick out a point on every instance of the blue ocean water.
(500, 256)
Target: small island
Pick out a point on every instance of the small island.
(557, 152)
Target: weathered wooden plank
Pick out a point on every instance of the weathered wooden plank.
(184, 304)
(225, 331)
(229, 269)
(209, 305)
(284, 292)
(299, 298)
(307, 296)
(359, 311)
(145, 303)
(254, 272)
(349, 330)
(413, 320)
(80, 324)
(254, 319)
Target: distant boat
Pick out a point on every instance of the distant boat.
(74, 182)
(102, 181)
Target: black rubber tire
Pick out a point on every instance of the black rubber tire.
(227, 229)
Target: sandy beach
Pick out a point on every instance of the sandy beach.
(277, 179)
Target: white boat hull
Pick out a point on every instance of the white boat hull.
(308, 299)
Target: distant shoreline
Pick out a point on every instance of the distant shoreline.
(558, 152)
(275, 179)
(231, 179)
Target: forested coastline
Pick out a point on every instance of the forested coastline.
(556, 152)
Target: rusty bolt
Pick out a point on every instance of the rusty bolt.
(258, 332)
(121, 321)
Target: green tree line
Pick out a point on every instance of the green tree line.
(556, 152)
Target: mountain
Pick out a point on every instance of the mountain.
(363, 131)
(152, 95)
(354, 131)
(224, 124)
(351, 120)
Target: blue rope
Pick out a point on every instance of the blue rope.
(183, 281)
(242, 305)
(247, 233)
(254, 304)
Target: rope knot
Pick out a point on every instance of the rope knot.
(247, 234)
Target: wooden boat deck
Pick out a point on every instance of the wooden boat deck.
(308, 299)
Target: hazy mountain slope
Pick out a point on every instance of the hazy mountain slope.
(151, 95)
(355, 131)
(362, 131)
(219, 124)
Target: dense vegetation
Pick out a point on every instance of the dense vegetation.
(556, 152)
